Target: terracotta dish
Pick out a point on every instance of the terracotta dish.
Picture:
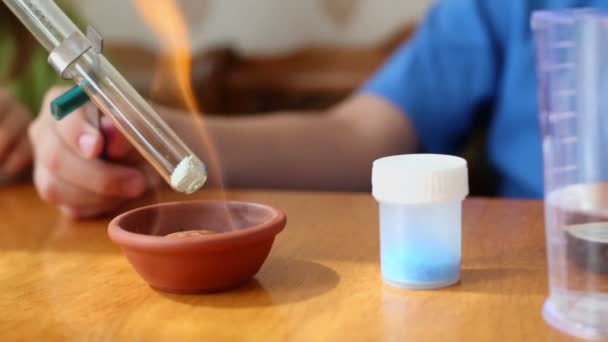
(233, 254)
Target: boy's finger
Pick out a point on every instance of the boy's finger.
(18, 159)
(6, 101)
(117, 147)
(80, 135)
(98, 177)
(12, 126)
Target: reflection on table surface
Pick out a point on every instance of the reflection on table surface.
(65, 280)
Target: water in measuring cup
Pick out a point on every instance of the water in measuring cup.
(578, 271)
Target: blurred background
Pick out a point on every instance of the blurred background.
(262, 26)
(246, 57)
(261, 55)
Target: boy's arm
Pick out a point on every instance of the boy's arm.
(330, 151)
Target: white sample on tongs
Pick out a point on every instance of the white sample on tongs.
(189, 175)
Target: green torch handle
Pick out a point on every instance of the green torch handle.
(69, 102)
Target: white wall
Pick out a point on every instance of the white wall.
(259, 26)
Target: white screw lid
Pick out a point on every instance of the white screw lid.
(420, 179)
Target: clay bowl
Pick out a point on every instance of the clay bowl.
(197, 264)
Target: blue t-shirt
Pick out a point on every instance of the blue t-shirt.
(469, 56)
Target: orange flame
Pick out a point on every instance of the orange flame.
(165, 18)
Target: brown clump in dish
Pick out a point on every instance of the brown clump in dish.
(191, 233)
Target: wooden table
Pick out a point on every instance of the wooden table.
(65, 280)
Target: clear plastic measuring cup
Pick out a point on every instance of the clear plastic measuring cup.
(572, 64)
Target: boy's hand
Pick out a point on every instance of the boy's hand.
(68, 171)
(15, 149)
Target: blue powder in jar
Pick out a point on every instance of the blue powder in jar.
(419, 264)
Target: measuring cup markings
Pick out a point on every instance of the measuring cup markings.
(565, 168)
(566, 93)
(566, 44)
(568, 140)
(558, 66)
(555, 117)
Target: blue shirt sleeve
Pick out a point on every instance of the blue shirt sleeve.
(441, 77)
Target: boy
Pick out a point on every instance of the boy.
(468, 57)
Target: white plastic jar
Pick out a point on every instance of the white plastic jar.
(420, 198)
